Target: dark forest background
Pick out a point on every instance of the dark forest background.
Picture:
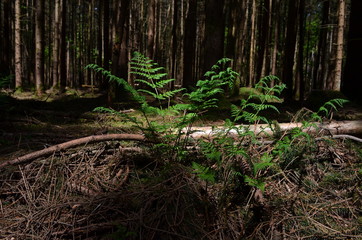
(309, 44)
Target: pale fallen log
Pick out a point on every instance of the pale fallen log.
(330, 128)
(73, 143)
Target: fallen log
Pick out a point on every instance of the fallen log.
(73, 143)
(331, 128)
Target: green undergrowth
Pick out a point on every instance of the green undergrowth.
(272, 184)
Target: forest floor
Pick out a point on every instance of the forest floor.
(126, 190)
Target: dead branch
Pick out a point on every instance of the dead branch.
(73, 143)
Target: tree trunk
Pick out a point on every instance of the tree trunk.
(63, 47)
(340, 43)
(289, 49)
(319, 66)
(120, 48)
(276, 40)
(39, 47)
(189, 79)
(333, 128)
(105, 42)
(300, 61)
(174, 43)
(56, 44)
(252, 45)
(263, 41)
(18, 65)
(151, 28)
(214, 33)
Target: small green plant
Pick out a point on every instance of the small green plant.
(209, 91)
(266, 96)
(6, 80)
(327, 108)
(204, 173)
(152, 76)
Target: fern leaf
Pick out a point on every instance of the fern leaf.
(204, 173)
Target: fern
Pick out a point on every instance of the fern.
(205, 173)
(267, 95)
(6, 80)
(331, 105)
(208, 91)
(152, 77)
(120, 81)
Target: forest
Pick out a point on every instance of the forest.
(180, 119)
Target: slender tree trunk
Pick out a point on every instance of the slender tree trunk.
(214, 33)
(319, 69)
(174, 43)
(120, 47)
(39, 47)
(300, 61)
(106, 43)
(289, 49)
(274, 57)
(252, 45)
(265, 70)
(56, 44)
(7, 54)
(189, 79)
(18, 64)
(63, 47)
(151, 28)
(340, 43)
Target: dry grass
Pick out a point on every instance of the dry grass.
(105, 191)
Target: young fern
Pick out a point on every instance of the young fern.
(208, 91)
(266, 95)
(151, 76)
(331, 105)
(120, 81)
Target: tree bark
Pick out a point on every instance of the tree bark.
(189, 79)
(63, 47)
(56, 44)
(252, 45)
(151, 28)
(289, 49)
(214, 33)
(300, 62)
(340, 44)
(333, 128)
(18, 64)
(39, 47)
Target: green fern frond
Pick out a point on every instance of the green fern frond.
(205, 173)
(152, 76)
(331, 105)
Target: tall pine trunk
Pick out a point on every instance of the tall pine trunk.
(214, 33)
(56, 44)
(289, 49)
(340, 43)
(189, 79)
(39, 47)
(63, 47)
(18, 65)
